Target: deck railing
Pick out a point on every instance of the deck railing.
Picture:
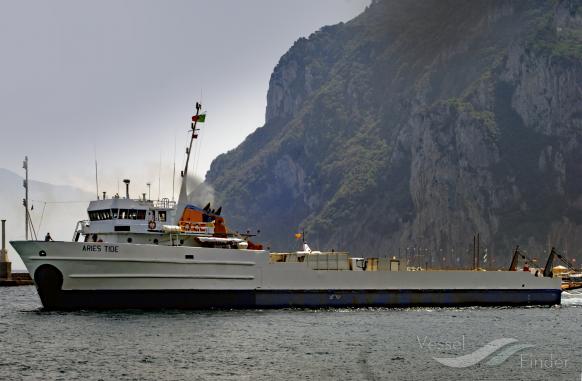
(165, 203)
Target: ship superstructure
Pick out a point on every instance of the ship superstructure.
(161, 222)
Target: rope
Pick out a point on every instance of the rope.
(41, 216)
(61, 202)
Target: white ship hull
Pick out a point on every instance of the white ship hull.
(74, 275)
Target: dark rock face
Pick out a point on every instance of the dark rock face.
(416, 125)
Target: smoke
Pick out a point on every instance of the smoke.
(199, 192)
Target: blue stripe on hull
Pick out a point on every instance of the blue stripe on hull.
(407, 298)
(206, 299)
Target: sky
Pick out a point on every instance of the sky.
(117, 81)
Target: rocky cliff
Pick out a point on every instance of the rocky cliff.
(416, 125)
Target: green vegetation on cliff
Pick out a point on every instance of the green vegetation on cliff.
(416, 125)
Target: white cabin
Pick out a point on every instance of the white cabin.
(126, 220)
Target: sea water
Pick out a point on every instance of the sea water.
(534, 343)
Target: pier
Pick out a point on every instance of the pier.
(7, 277)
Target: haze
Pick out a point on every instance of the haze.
(120, 78)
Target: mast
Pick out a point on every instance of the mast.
(97, 179)
(96, 176)
(478, 250)
(513, 265)
(194, 136)
(549, 263)
(25, 201)
(183, 197)
(174, 171)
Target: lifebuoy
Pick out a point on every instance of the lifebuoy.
(152, 225)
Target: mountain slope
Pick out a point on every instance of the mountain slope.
(416, 125)
(56, 209)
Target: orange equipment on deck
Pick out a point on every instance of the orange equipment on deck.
(200, 220)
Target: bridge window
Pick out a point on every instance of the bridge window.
(162, 215)
(122, 214)
(136, 214)
(100, 215)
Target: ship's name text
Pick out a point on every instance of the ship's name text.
(99, 248)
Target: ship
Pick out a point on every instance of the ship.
(162, 254)
(571, 278)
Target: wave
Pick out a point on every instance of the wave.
(572, 298)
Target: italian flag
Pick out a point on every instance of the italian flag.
(199, 118)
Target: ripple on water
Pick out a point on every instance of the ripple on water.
(295, 344)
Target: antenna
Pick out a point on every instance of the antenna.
(160, 177)
(25, 201)
(174, 171)
(96, 178)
